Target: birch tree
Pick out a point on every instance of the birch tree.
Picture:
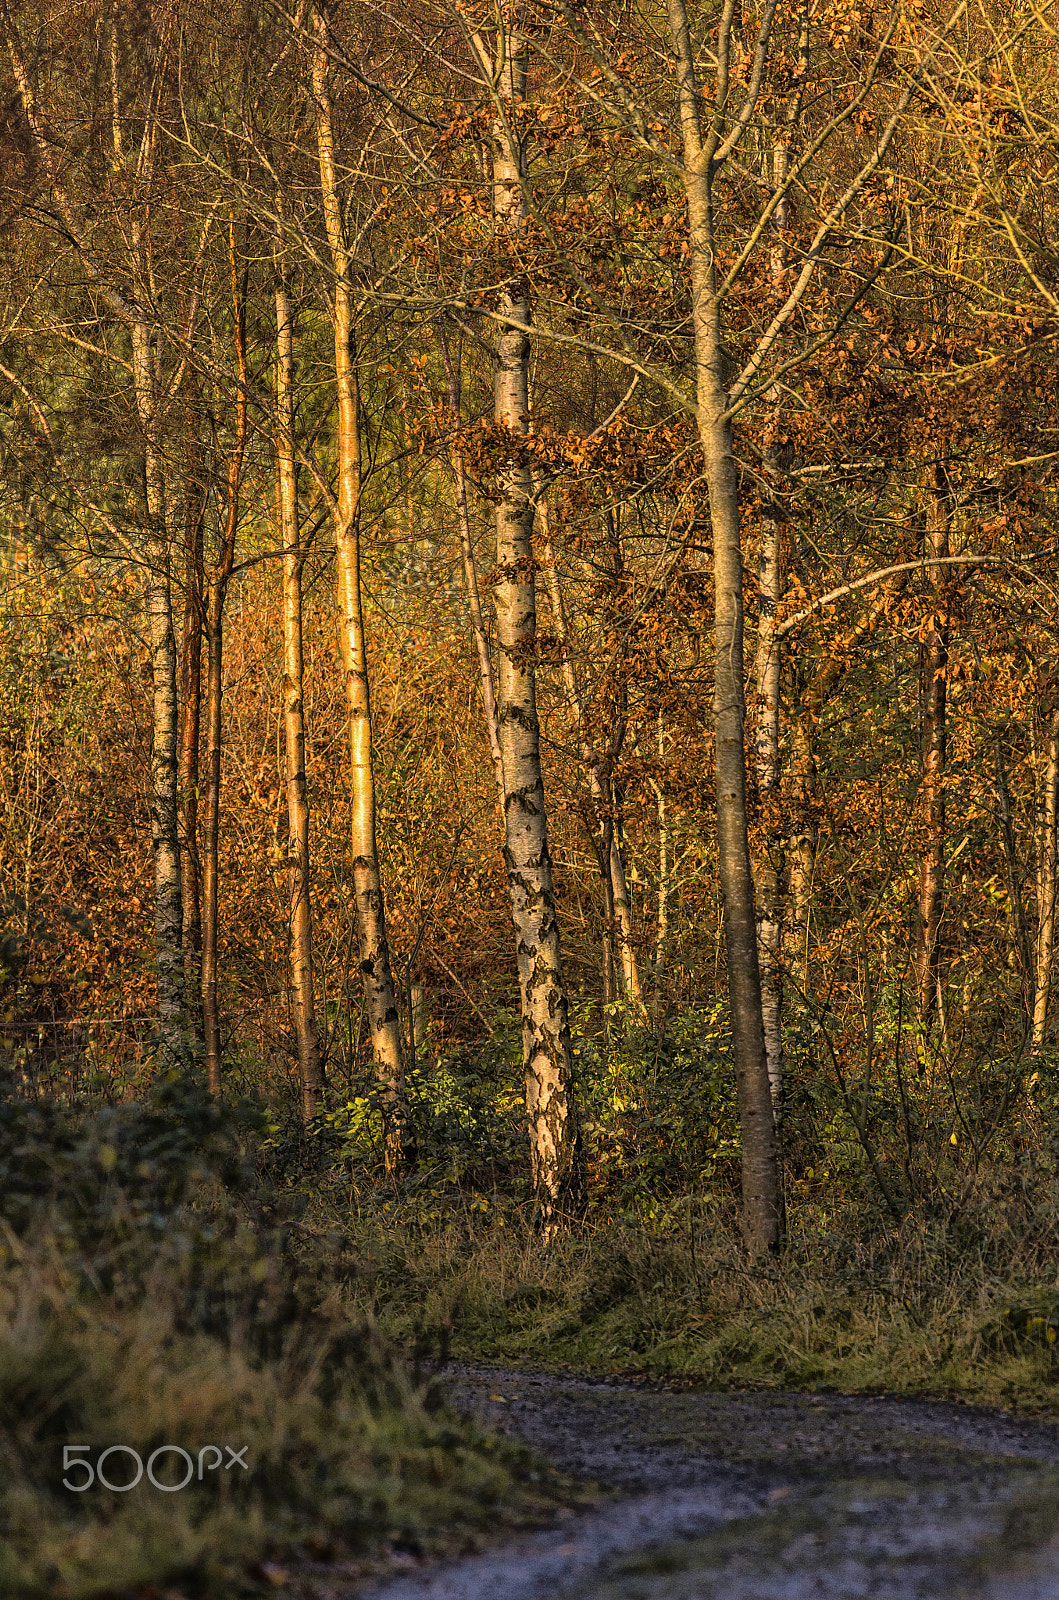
(123, 281)
(547, 1055)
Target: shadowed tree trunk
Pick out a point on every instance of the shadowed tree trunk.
(195, 495)
(762, 1200)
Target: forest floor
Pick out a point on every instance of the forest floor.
(760, 1496)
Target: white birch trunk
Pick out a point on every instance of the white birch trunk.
(550, 1108)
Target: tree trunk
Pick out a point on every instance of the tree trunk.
(217, 592)
(762, 1196)
(379, 993)
(934, 663)
(768, 667)
(301, 930)
(191, 693)
(1047, 816)
(158, 600)
(165, 832)
(554, 1143)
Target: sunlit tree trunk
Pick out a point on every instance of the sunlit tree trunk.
(303, 1002)
(379, 993)
(762, 1195)
(552, 1114)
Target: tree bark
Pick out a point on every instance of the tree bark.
(216, 595)
(550, 1108)
(301, 930)
(379, 993)
(761, 1186)
(191, 694)
(768, 668)
(158, 598)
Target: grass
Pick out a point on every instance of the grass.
(965, 1309)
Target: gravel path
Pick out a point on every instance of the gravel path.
(764, 1497)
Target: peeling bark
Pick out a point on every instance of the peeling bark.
(550, 1108)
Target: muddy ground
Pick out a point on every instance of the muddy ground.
(764, 1497)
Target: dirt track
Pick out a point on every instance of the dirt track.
(765, 1497)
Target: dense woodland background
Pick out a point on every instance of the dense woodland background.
(186, 446)
(529, 737)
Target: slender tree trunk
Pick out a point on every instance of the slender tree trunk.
(301, 931)
(379, 992)
(1047, 818)
(191, 687)
(165, 831)
(762, 1194)
(470, 575)
(216, 595)
(211, 812)
(768, 668)
(934, 666)
(158, 600)
(552, 1113)
(612, 869)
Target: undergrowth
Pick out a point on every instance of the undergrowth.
(150, 1296)
(962, 1311)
